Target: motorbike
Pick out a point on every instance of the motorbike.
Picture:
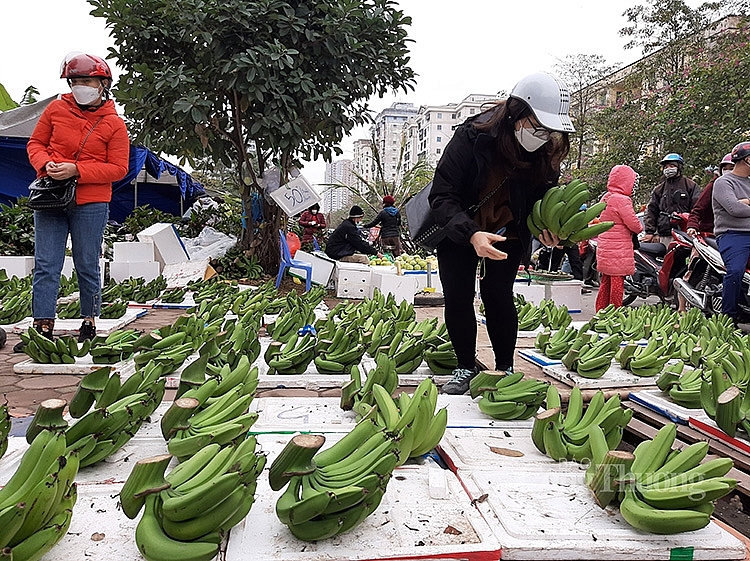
(657, 265)
(703, 286)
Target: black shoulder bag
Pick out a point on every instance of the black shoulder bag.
(419, 218)
(46, 193)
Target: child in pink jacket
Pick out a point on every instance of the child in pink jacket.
(614, 252)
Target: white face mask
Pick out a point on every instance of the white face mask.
(670, 172)
(526, 138)
(85, 95)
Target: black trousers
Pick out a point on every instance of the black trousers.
(574, 258)
(458, 274)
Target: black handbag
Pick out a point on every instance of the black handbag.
(636, 242)
(423, 229)
(46, 193)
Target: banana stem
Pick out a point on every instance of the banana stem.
(48, 416)
(610, 475)
(295, 459)
(146, 478)
(175, 418)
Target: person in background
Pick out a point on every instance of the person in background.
(701, 219)
(731, 204)
(313, 223)
(86, 118)
(675, 193)
(346, 243)
(614, 250)
(496, 165)
(390, 225)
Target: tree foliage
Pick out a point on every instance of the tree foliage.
(254, 84)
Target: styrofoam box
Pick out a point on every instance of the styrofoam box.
(17, 265)
(566, 293)
(168, 247)
(148, 270)
(322, 267)
(68, 267)
(133, 252)
(533, 293)
(421, 277)
(547, 512)
(403, 287)
(352, 280)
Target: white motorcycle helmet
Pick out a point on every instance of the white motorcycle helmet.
(548, 98)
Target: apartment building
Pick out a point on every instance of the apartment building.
(334, 198)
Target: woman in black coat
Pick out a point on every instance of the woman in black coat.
(390, 224)
(497, 164)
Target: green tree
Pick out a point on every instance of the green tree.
(254, 84)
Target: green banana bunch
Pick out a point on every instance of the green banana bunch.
(407, 350)
(674, 491)
(683, 384)
(555, 345)
(296, 314)
(64, 350)
(441, 359)
(118, 345)
(649, 360)
(150, 290)
(582, 342)
(339, 354)
(37, 502)
(529, 317)
(596, 359)
(71, 310)
(513, 397)
(114, 310)
(359, 396)
(173, 295)
(554, 316)
(14, 285)
(294, 357)
(15, 306)
(213, 289)
(5, 426)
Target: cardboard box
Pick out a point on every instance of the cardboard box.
(403, 287)
(133, 252)
(148, 270)
(17, 265)
(68, 267)
(352, 280)
(168, 247)
(322, 265)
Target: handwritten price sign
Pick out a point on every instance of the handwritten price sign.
(295, 196)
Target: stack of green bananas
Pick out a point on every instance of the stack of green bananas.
(296, 314)
(98, 388)
(559, 212)
(254, 301)
(193, 382)
(118, 345)
(582, 342)
(413, 417)
(70, 310)
(555, 345)
(170, 345)
(339, 487)
(567, 436)
(13, 285)
(210, 310)
(102, 431)
(240, 341)
(510, 396)
(408, 345)
(649, 360)
(187, 512)
(685, 343)
(150, 290)
(14, 307)
(529, 316)
(214, 290)
(291, 358)
(382, 334)
(123, 290)
(358, 396)
(36, 505)
(64, 350)
(595, 358)
(725, 399)
(683, 384)
(338, 355)
(673, 491)
(619, 321)
(5, 425)
(68, 285)
(441, 358)
(554, 316)
(221, 421)
(173, 295)
(114, 310)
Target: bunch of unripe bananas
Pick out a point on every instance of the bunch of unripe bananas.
(36, 505)
(344, 350)
(69, 310)
(64, 350)
(357, 395)
(297, 313)
(683, 384)
(669, 491)
(291, 358)
(15, 307)
(590, 356)
(149, 291)
(567, 436)
(118, 345)
(187, 511)
(114, 310)
(508, 396)
(173, 295)
(649, 360)
(724, 392)
(441, 358)
(556, 345)
(560, 213)
(332, 491)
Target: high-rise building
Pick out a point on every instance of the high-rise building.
(338, 172)
(388, 136)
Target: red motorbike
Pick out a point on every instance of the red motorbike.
(657, 265)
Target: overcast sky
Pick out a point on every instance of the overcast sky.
(460, 48)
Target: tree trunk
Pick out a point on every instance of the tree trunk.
(261, 239)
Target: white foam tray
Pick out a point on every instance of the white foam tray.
(615, 377)
(71, 326)
(661, 403)
(535, 357)
(545, 513)
(83, 365)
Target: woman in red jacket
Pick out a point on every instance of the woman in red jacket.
(78, 135)
(614, 251)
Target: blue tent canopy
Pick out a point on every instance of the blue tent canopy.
(173, 192)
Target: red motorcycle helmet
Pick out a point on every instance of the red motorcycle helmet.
(741, 151)
(82, 65)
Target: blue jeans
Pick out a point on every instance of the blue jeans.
(735, 251)
(85, 224)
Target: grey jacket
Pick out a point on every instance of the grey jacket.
(729, 213)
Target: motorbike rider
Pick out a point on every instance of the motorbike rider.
(731, 204)
(701, 219)
(675, 193)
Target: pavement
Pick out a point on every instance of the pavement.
(24, 392)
